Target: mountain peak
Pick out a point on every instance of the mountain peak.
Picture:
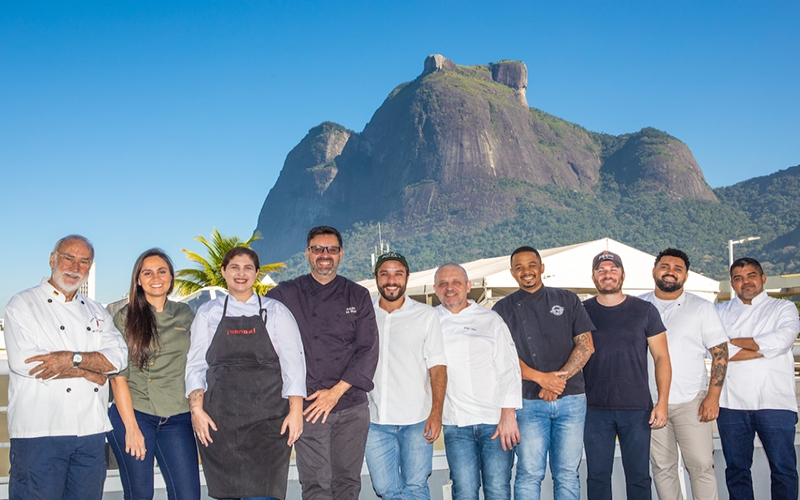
(459, 145)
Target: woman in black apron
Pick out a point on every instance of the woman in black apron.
(241, 421)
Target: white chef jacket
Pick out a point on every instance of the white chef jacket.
(410, 341)
(693, 327)
(768, 382)
(282, 330)
(483, 374)
(40, 321)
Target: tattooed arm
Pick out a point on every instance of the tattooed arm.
(709, 408)
(583, 350)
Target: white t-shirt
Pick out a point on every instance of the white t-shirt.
(410, 341)
(693, 327)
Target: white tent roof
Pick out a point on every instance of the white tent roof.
(566, 267)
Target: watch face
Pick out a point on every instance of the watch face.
(77, 358)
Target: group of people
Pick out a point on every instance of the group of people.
(320, 366)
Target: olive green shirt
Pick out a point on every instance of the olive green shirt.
(159, 388)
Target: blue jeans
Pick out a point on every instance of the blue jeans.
(252, 498)
(775, 429)
(65, 467)
(554, 427)
(599, 437)
(170, 440)
(474, 459)
(400, 460)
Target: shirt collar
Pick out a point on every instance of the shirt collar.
(470, 307)
(679, 301)
(406, 304)
(758, 299)
(525, 296)
(55, 294)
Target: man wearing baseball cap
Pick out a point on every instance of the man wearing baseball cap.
(617, 394)
(410, 381)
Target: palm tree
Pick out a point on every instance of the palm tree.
(209, 273)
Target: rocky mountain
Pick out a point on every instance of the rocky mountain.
(456, 159)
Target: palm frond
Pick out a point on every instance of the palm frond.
(208, 273)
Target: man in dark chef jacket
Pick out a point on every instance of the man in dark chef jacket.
(340, 337)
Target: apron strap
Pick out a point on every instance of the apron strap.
(262, 311)
(225, 307)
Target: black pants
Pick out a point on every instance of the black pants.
(329, 455)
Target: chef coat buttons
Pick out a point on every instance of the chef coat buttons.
(49, 301)
(88, 329)
(69, 389)
(96, 389)
(62, 327)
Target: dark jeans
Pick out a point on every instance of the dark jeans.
(64, 467)
(170, 440)
(601, 430)
(775, 429)
(330, 455)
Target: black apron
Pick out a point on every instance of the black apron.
(248, 457)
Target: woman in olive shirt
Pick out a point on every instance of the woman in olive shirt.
(150, 413)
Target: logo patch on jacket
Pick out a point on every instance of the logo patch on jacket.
(350, 310)
(557, 310)
(96, 324)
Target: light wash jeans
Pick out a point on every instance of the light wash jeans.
(400, 460)
(474, 459)
(554, 428)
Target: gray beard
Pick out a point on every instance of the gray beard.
(69, 288)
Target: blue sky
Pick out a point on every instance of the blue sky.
(142, 124)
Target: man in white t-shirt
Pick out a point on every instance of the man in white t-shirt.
(693, 329)
(759, 393)
(406, 403)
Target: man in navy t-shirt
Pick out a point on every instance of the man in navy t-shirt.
(617, 394)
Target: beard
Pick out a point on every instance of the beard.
(668, 287)
(401, 290)
(58, 278)
(607, 291)
(324, 271)
(610, 291)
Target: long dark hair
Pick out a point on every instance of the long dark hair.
(140, 324)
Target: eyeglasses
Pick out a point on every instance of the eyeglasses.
(318, 249)
(71, 259)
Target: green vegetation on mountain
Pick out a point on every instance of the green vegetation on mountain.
(456, 166)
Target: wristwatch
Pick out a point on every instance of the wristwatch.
(76, 359)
